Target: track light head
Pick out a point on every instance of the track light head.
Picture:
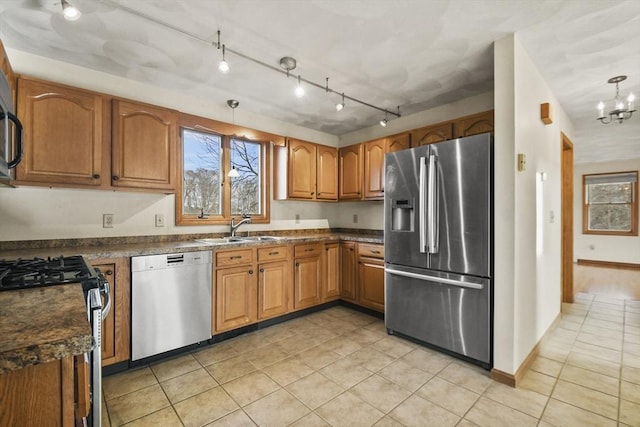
(384, 122)
(223, 66)
(233, 103)
(299, 89)
(70, 13)
(340, 105)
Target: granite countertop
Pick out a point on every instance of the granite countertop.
(129, 247)
(42, 325)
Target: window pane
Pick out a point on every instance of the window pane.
(246, 194)
(201, 188)
(610, 217)
(610, 193)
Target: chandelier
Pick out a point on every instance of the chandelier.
(618, 109)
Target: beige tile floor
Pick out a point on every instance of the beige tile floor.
(338, 367)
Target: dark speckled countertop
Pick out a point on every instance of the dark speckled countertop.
(42, 325)
(127, 247)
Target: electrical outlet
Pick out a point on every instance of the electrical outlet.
(297, 218)
(355, 218)
(159, 220)
(107, 220)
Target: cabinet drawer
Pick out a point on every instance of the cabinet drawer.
(310, 249)
(275, 253)
(374, 251)
(236, 257)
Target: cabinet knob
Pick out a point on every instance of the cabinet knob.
(96, 176)
(312, 193)
(115, 177)
(108, 272)
(262, 270)
(297, 264)
(250, 271)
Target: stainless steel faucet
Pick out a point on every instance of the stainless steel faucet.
(246, 219)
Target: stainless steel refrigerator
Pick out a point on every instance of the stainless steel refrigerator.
(438, 245)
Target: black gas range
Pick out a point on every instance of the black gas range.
(37, 272)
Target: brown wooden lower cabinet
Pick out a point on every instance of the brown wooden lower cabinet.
(39, 395)
(307, 275)
(274, 289)
(116, 327)
(236, 297)
(348, 271)
(371, 283)
(371, 276)
(331, 272)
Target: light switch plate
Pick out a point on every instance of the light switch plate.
(159, 220)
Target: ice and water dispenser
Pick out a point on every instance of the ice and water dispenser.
(402, 215)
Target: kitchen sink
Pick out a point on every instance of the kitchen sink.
(236, 239)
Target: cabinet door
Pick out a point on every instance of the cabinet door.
(331, 279)
(236, 298)
(274, 289)
(475, 124)
(371, 283)
(327, 179)
(307, 277)
(115, 328)
(397, 142)
(374, 169)
(430, 134)
(350, 163)
(144, 146)
(348, 271)
(63, 134)
(302, 169)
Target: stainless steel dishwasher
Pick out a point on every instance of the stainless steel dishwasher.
(170, 302)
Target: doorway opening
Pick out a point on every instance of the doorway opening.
(566, 194)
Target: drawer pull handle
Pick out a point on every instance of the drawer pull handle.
(96, 176)
(309, 250)
(235, 257)
(274, 253)
(375, 252)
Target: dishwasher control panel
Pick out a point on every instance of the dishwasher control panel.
(156, 262)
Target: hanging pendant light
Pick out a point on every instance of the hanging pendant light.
(70, 12)
(618, 109)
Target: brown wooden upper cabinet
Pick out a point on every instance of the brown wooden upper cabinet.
(374, 169)
(144, 146)
(474, 124)
(350, 164)
(306, 171)
(74, 137)
(362, 167)
(64, 138)
(431, 134)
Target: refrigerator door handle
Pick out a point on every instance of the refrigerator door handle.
(432, 208)
(437, 279)
(422, 201)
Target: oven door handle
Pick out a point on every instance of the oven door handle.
(107, 297)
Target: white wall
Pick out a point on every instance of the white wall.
(527, 210)
(33, 213)
(601, 248)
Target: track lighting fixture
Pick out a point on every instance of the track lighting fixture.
(299, 89)
(70, 12)
(384, 122)
(340, 105)
(287, 63)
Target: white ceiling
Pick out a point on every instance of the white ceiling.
(416, 54)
